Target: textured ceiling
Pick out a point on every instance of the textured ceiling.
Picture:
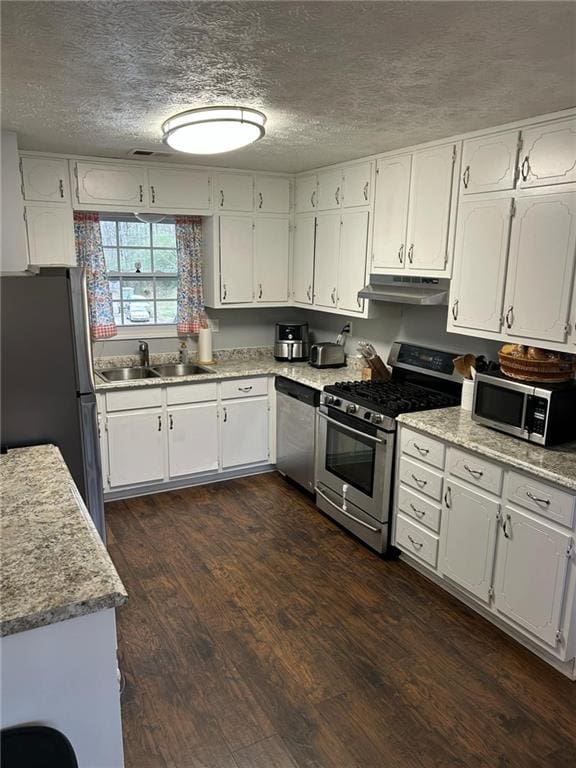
(338, 80)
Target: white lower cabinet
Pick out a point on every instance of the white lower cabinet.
(135, 447)
(244, 432)
(192, 439)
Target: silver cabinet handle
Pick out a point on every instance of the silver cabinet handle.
(455, 309)
(313, 199)
(477, 473)
(366, 188)
(141, 190)
(423, 451)
(344, 512)
(61, 187)
(525, 168)
(448, 498)
(359, 300)
(466, 177)
(171, 421)
(333, 296)
(260, 200)
(417, 544)
(537, 499)
(159, 423)
(420, 483)
(350, 429)
(153, 193)
(337, 195)
(309, 293)
(417, 511)
(505, 522)
(401, 254)
(224, 292)
(245, 389)
(221, 198)
(259, 290)
(509, 317)
(411, 254)
(225, 414)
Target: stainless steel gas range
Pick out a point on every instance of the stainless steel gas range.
(357, 434)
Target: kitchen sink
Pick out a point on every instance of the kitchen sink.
(180, 369)
(128, 374)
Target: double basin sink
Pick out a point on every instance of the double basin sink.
(153, 372)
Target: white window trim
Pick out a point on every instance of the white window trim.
(146, 331)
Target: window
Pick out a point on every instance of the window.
(142, 268)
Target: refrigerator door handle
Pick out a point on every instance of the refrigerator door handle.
(81, 321)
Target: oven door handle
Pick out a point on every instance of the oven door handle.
(350, 429)
(344, 512)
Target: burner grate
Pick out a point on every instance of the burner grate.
(390, 397)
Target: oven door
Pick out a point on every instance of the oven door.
(354, 460)
(501, 404)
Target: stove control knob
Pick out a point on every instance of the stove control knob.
(351, 408)
(367, 415)
(337, 402)
(377, 418)
(328, 399)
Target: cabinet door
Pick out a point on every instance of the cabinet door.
(272, 194)
(549, 154)
(193, 439)
(477, 288)
(468, 538)
(271, 254)
(391, 213)
(236, 269)
(303, 259)
(50, 233)
(541, 266)
(357, 185)
(234, 192)
(352, 260)
(179, 188)
(111, 184)
(244, 432)
(135, 447)
(329, 190)
(489, 163)
(326, 260)
(429, 210)
(530, 576)
(45, 179)
(306, 194)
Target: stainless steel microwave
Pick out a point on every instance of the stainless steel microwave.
(541, 413)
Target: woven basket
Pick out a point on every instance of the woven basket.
(534, 364)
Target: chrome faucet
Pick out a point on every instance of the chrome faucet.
(144, 353)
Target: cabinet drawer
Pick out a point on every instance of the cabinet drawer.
(477, 471)
(132, 399)
(423, 448)
(421, 509)
(421, 478)
(191, 393)
(541, 498)
(413, 540)
(244, 387)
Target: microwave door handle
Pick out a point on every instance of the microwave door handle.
(351, 429)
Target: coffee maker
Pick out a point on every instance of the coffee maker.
(291, 342)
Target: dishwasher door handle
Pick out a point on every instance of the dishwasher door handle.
(344, 512)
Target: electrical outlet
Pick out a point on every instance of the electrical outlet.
(350, 324)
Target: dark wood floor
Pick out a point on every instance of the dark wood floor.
(259, 635)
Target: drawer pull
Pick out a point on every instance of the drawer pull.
(417, 544)
(245, 389)
(537, 499)
(417, 511)
(476, 473)
(423, 451)
(419, 483)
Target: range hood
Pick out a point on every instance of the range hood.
(406, 290)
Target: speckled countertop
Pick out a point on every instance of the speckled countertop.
(557, 464)
(54, 565)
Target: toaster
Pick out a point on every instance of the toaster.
(328, 354)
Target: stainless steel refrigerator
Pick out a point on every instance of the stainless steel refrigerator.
(47, 382)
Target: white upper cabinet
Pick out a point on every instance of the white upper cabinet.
(108, 184)
(50, 234)
(306, 194)
(179, 188)
(548, 154)
(303, 259)
(326, 260)
(489, 163)
(541, 267)
(352, 260)
(357, 185)
(234, 192)
(531, 552)
(330, 190)
(480, 255)
(429, 210)
(272, 194)
(45, 179)
(236, 263)
(271, 257)
(391, 213)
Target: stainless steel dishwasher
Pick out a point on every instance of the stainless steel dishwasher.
(296, 406)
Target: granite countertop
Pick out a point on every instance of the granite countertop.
(54, 564)
(556, 464)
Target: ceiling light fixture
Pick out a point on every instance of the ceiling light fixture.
(211, 130)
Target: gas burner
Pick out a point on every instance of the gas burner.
(391, 398)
